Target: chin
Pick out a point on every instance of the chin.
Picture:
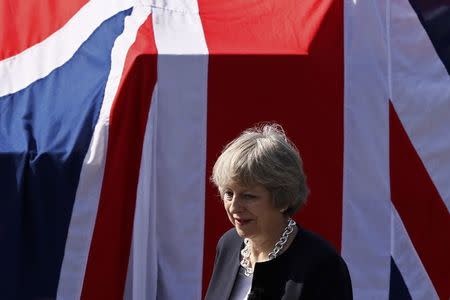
(242, 233)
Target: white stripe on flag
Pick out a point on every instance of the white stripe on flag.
(366, 192)
(178, 32)
(173, 236)
(89, 187)
(421, 94)
(142, 275)
(408, 262)
(21, 70)
(184, 6)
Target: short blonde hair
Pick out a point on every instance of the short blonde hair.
(264, 155)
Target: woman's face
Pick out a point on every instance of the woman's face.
(251, 211)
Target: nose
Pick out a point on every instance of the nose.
(235, 205)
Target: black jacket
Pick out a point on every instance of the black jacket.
(309, 269)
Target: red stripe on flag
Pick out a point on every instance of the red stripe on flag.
(26, 23)
(261, 26)
(420, 206)
(109, 253)
(304, 93)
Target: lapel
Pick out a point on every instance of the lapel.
(226, 267)
(273, 279)
(232, 264)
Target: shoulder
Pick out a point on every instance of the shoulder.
(326, 274)
(226, 263)
(314, 255)
(229, 240)
(315, 246)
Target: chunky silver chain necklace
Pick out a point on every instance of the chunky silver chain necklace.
(245, 262)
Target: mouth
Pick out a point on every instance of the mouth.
(241, 222)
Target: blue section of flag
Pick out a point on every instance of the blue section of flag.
(435, 18)
(397, 287)
(45, 131)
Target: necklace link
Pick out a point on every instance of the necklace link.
(245, 262)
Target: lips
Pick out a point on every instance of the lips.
(241, 222)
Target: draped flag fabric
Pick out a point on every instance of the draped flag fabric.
(113, 112)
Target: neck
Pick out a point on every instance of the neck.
(262, 246)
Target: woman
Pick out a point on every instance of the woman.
(267, 255)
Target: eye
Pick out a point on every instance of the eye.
(227, 195)
(249, 196)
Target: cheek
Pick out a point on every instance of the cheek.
(227, 211)
(226, 207)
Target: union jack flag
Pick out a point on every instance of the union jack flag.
(113, 112)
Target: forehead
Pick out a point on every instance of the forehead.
(239, 187)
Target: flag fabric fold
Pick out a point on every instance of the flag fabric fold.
(112, 114)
